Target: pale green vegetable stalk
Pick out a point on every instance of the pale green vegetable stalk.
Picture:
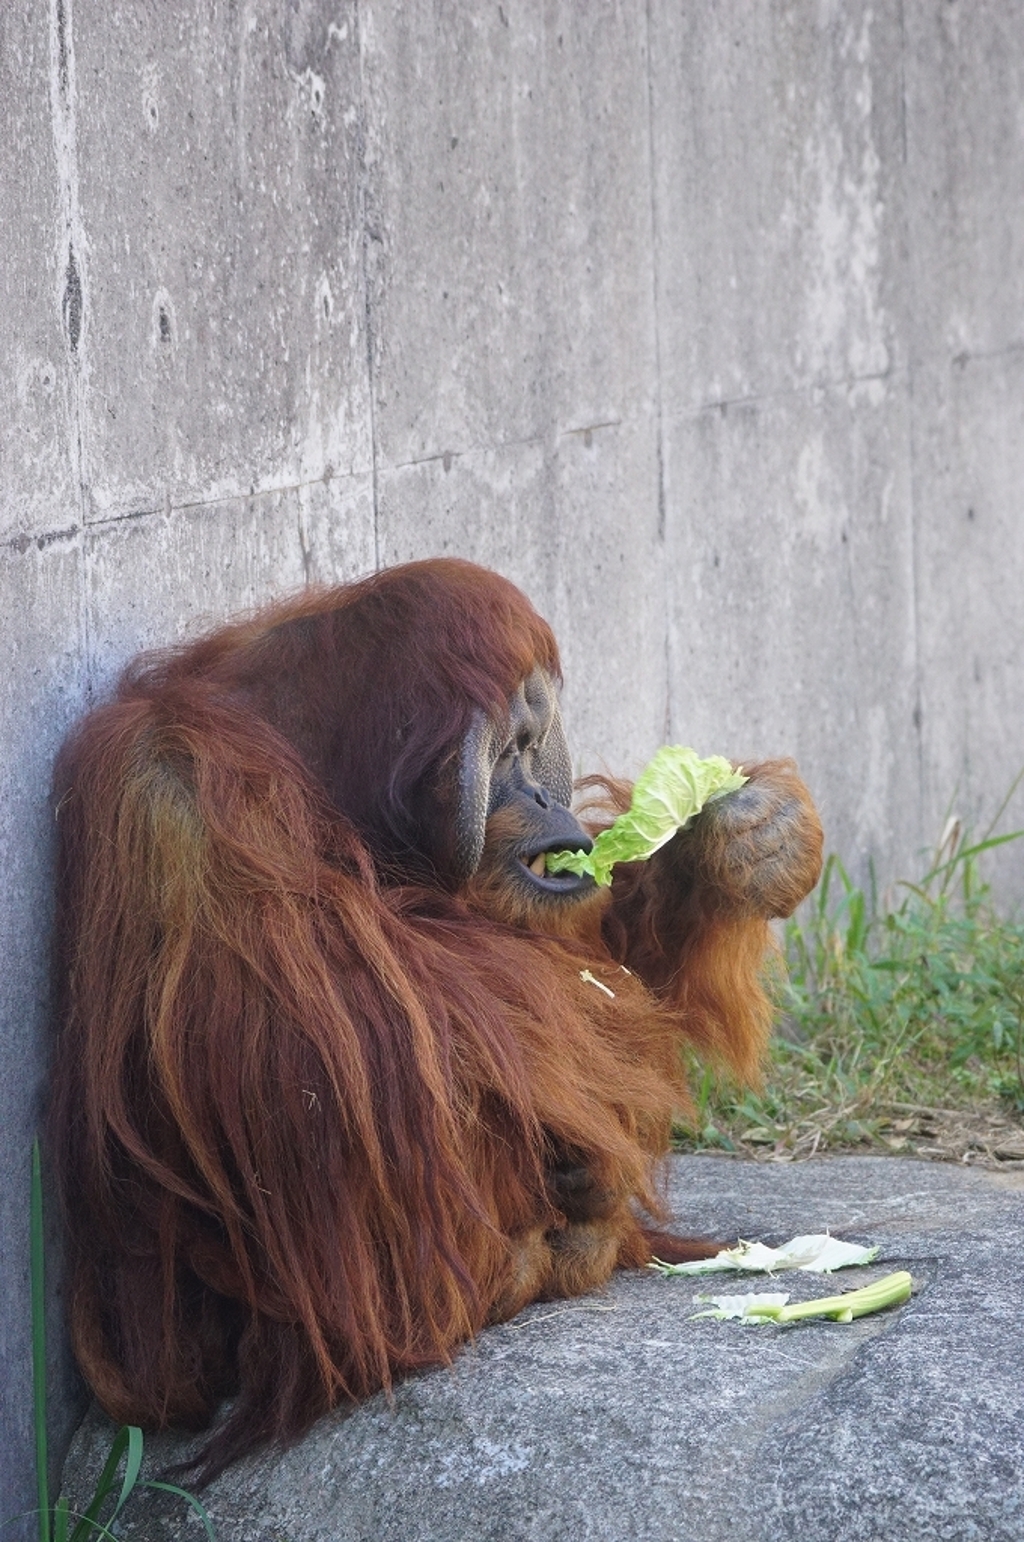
(671, 788)
(890, 1291)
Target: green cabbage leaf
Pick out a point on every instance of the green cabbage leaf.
(672, 787)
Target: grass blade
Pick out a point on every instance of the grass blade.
(967, 852)
(92, 1528)
(172, 1488)
(128, 1438)
(38, 1304)
(131, 1466)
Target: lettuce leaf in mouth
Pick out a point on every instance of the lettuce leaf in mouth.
(670, 789)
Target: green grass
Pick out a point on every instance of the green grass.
(897, 1015)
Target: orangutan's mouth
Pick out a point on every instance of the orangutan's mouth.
(554, 883)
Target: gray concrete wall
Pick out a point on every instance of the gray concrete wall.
(705, 323)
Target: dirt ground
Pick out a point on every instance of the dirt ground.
(986, 1137)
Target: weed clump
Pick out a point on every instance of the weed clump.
(902, 1023)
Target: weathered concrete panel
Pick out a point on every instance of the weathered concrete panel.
(37, 447)
(964, 71)
(573, 520)
(792, 632)
(510, 221)
(510, 184)
(780, 199)
(969, 477)
(609, 602)
(778, 156)
(224, 316)
(43, 658)
(338, 524)
(161, 578)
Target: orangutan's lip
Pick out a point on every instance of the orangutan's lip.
(554, 883)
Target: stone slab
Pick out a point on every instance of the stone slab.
(509, 204)
(793, 622)
(618, 1418)
(224, 307)
(779, 198)
(160, 578)
(572, 518)
(964, 86)
(37, 448)
(968, 419)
